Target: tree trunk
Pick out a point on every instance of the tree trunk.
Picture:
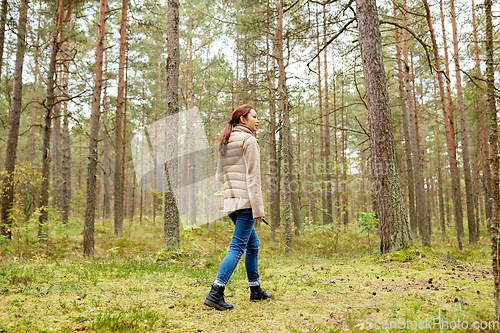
(273, 180)
(66, 148)
(35, 78)
(11, 153)
(171, 212)
(450, 139)
(56, 148)
(394, 229)
(283, 103)
(483, 126)
(124, 143)
(321, 130)
(494, 156)
(440, 181)
(294, 191)
(3, 20)
(345, 209)
(423, 219)
(105, 145)
(409, 165)
(473, 238)
(335, 143)
(328, 165)
(118, 184)
(245, 68)
(237, 88)
(88, 231)
(50, 97)
(132, 202)
(66, 156)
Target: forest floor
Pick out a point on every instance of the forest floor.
(335, 281)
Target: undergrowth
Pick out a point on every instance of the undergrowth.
(335, 280)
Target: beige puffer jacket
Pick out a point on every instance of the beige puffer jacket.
(239, 171)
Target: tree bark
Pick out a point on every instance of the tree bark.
(12, 140)
(56, 148)
(283, 103)
(345, 209)
(35, 82)
(118, 184)
(105, 145)
(273, 175)
(450, 139)
(3, 20)
(321, 129)
(440, 181)
(328, 166)
(66, 148)
(335, 143)
(66, 156)
(51, 99)
(483, 127)
(237, 88)
(88, 231)
(171, 212)
(424, 224)
(409, 165)
(394, 229)
(494, 156)
(471, 221)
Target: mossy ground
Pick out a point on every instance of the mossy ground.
(334, 281)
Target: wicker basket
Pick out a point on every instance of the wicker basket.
(219, 200)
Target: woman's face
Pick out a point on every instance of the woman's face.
(250, 120)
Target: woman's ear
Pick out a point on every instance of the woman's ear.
(243, 120)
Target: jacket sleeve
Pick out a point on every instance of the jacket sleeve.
(251, 154)
(219, 174)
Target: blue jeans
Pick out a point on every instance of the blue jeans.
(244, 237)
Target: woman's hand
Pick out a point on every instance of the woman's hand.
(260, 218)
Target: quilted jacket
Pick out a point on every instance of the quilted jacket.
(239, 171)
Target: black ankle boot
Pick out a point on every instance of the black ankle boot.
(257, 294)
(215, 299)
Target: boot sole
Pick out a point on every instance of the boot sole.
(215, 305)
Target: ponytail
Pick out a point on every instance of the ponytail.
(240, 111)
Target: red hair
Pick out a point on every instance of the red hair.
(240, 111)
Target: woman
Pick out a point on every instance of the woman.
(238, 169)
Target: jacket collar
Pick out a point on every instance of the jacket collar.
(243, 128)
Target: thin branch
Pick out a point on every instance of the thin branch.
(424, 45)
(368, 135)
(296, 2)
(211, 16)
(331, 40)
